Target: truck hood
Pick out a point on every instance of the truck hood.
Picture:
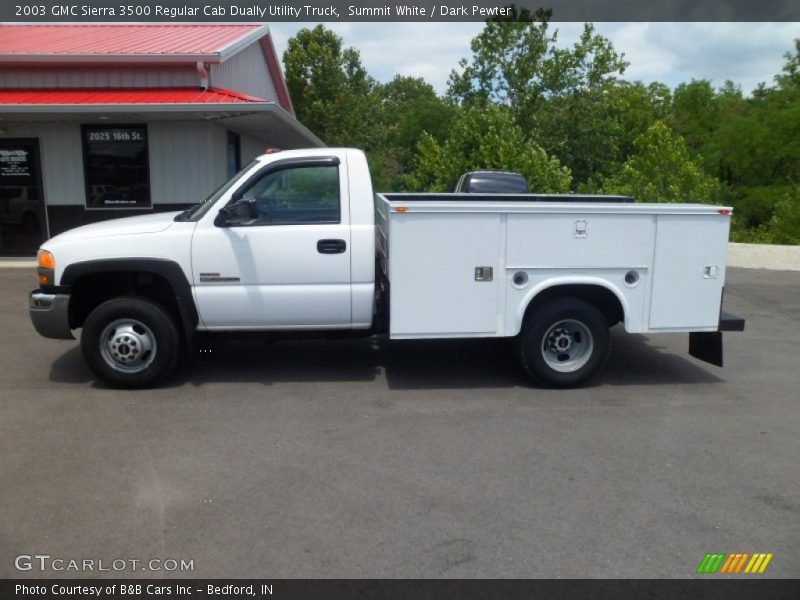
(114, 227)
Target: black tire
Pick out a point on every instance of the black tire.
(583, 318)
(160, 328)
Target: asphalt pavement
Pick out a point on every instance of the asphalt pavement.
(371, 458)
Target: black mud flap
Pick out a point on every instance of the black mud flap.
(706, 346)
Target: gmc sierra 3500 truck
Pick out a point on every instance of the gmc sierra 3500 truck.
(297, 242)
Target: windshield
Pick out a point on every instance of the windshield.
(198, 210)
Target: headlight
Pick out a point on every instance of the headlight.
(46, 267)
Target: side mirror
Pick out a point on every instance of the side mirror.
(241, 212)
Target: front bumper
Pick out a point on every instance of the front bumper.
(50, 314)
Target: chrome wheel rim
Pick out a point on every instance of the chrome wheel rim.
(567, 346)
(128, 346)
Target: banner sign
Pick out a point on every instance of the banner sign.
(181, 11)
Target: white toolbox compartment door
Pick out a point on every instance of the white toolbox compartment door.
(688, 271)
(434, 291)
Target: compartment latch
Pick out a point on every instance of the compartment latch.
(484, 273)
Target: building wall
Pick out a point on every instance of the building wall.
(116, 77)
(245, 72)
(251, 148)
(187, 163)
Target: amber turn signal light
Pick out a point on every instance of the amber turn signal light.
(46, 260)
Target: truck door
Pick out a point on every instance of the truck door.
(287, 266)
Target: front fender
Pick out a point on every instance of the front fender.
(170, 270)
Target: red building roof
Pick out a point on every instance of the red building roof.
(124, 40)
(150, 44)
(125, 96)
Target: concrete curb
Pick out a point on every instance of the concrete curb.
(17, 263)
(764, 256)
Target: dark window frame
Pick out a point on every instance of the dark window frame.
(85, 155)
(235, 140)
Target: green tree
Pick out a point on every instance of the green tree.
(790, 74)
(597, 132)
(662, 170)
(331, 91)
(558, 96)
(409, 108)
(485, 138)
(515, 62)
(507, 62)
(784, 225)
(694, 113)
(335, 97)
(756, 152)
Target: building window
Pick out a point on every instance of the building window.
(234, 154)
(115, 166)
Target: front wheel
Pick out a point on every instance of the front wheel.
(130, 342)
(565, 343)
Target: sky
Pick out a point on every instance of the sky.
(672, 53)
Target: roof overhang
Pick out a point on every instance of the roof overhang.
(265, 121)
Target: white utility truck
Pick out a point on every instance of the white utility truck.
(297, 244)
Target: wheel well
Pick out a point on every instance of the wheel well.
(91, 290)
(598, 296)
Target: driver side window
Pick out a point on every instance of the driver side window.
(296, 195)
